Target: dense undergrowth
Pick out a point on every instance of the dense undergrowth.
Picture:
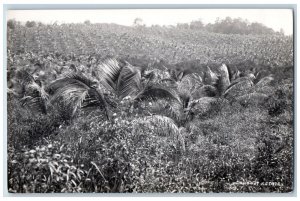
(88, 156)
(204, 144)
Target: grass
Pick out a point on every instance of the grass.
(89, 154)
(224, 147)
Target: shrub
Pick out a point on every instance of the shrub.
(11, 24)
(26, 128)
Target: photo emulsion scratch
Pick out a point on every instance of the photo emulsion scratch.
(150, 101)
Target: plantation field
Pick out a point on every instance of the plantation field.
(153, 43)
(109, 108)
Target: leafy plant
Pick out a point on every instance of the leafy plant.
(76, 91)
(175, 125)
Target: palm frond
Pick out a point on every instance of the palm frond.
(80, 77)
(205, 91)
(12, 93)
(157, 76)
(34, 96)
(35, 87)
(240, 80)
(155, 92)
(266, 81)
(96, 98)
(24, 77)
(68, 79)
(189, 82)
(72, 95)
(253, 99)
(173, 75)
(238, 89)
(224, 81)
(108, 72)
(185, 98)
(34, 104)
(233, 72)
(129, 81)
(162, 126)
(180, 76)
(210, 78)
(165, 108)
(202, 107)
(77, 91)
(163, 122)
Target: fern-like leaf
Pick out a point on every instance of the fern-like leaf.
(129, 81)
(160, 125)
(77, 91)
(108, 72)
(239, 88)
(154, 92)
(266, 81)
(210, 77)
(224, 81)
(34, 104)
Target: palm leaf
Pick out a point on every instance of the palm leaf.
(202, 107)
(189, 83)
(34, 96)
(266, 81)
(210, 78)
(155, 92)
(253, 99)
(173, 75)
(72, 94)
(108, 72)
(205, 91)
(119, 77)
(163, 122)
(35, 87)
(77, 91)
(223, 82)
(129, 81)
(34, 104)
(24, 77)
(238, 89)
(70, 78)
(180, 76)
(239, 80)
(165, 108)
(161, 125)
(97, 99)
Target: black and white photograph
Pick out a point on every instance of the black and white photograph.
(192, 100)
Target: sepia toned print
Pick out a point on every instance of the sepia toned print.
(198, 102)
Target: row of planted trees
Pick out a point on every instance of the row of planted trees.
(182, 94)
(172, 45)
(148, 130)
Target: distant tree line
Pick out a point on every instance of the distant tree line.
(229, 26)
(224, 26)
(11, 24)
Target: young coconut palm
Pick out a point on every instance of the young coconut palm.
(224, 81)
(214, 83)
(119, 77)
(210, 78)
(125, 80)
(162, 126)
(31, 92)
(76, 91)
(253, 99)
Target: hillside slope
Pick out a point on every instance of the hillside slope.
(172, 45)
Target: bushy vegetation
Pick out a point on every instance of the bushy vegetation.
(155, 117)
(152, 44)
(230, 26)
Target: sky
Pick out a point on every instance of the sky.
(273, 18)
